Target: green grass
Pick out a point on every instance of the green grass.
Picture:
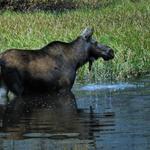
(123, 25)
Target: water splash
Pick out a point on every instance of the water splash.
(117, 86)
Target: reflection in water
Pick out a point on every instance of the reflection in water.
(98, 119)
(54, 119)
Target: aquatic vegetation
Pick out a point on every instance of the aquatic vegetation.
(123, 25)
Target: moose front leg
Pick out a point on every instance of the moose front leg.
(64, 85)
(67, 80)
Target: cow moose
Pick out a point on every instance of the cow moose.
(51, 68)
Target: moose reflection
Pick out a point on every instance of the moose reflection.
(51, 68)
(51, 115)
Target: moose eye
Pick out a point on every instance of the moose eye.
(95, 43)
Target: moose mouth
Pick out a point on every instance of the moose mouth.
(109, 55)
(105, 52)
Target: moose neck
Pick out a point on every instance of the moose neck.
(75, 52)
(79, 49)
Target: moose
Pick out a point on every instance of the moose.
(51, 68)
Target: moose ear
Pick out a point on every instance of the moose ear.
(87, 33)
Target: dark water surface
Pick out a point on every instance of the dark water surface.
(106, 116)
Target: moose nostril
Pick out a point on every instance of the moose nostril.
(111, 52)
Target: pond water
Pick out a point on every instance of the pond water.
(106, 116)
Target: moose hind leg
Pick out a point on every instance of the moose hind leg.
(14, 82)
(16, 88)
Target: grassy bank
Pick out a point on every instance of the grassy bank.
(124, 26)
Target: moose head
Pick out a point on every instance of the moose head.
(91, 49)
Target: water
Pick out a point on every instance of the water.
(103, 117)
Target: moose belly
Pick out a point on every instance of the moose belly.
(44, 86)
(39, 85)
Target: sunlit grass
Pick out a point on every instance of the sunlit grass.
(124, 26)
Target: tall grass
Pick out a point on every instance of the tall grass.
(123, 25)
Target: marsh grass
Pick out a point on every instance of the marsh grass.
(124, 26)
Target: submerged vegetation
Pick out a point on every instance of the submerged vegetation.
(123, 25)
